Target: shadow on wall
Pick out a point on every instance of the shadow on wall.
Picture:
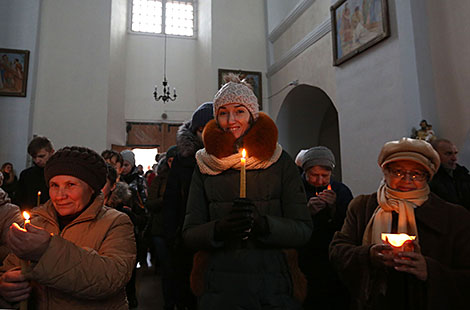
(308, 118)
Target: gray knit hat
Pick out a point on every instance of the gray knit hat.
(128, 155)
(318, 156)
(236, 91)
(200, 117)
(80, 162)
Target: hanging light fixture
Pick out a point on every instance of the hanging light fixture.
(165, 96)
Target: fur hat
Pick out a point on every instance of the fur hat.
(418, 151)
(200, 117)
(80, 162)
(128, 155)
(172, 151)
(236, 91)
(318, 156)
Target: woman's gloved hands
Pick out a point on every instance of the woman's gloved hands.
(242, 221)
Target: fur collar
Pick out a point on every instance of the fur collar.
(186, 141)
(260, 140)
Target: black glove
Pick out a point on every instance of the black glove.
(237, 224)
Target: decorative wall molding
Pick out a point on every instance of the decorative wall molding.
(289, 20)
(310, 39)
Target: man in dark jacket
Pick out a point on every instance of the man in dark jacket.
(452, 181)
(188, 142)
(32, 180)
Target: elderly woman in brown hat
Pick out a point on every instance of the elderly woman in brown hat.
(80, 253)
(435, 272)
(244, 265)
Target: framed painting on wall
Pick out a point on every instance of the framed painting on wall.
(13, 72)
(252, 77)
(357, 25)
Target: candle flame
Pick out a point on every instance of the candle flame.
(243, 153)
(26, 215)
(396, 240)
(328, 187)
(39, 193)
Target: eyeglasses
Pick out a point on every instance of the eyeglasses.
(414, 175)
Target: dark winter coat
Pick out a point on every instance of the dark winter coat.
(325, 289)
(256, 273)
(444, 237)
(31, 181)
(179, 180)
(455, 189)
(155, 200)
(9, 187)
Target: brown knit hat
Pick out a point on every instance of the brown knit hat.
(79, 162)
(418, 151)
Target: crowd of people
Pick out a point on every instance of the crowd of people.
(233, 222)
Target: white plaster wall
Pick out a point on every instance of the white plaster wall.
(277, 11)
(74, 55)
(19, 22)
(449, 26)
(116, 125)
(239, 37)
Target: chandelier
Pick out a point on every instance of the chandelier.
(165, 96)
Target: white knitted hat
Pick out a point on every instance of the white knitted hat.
(236, 92)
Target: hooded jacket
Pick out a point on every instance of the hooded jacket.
(244, 275)
(86, 265)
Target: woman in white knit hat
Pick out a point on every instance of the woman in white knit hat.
(247, 261)
(433, 275)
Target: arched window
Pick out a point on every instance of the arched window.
(173, 17)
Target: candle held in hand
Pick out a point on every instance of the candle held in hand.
(39, 199)
(243, 175)
(23, 263)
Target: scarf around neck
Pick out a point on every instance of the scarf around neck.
(390, 200)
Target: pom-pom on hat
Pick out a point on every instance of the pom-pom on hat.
(318, 156)
(236, 91)
(415, 150)
(80, 162)
(200, 117)
(128, 155)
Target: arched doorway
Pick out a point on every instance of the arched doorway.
(308, 118)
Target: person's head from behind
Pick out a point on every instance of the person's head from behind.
(110, 184)
(408, 164)
(128, 162)
(114, 159)
(447, 153)
(75, 176)
(40, 149)
(235, 107)
(318, 163)
(203, 114)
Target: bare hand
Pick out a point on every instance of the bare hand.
(328, 196)
(412, 262)
(315, 205)
(13, 286)
(381, 255)
(28, 243)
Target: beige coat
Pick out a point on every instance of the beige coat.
(9, 213)
(87, 264)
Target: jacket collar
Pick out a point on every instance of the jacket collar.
(260, 140)
(48, 212)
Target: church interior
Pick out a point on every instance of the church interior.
(91, 78)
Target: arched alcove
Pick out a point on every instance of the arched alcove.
(307, 118)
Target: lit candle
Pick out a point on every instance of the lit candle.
(39, 199)
(328, 187)
(23, 263)
(399, 242)
(243, 175)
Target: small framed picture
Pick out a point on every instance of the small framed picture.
(357, 25)
(13, 72)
